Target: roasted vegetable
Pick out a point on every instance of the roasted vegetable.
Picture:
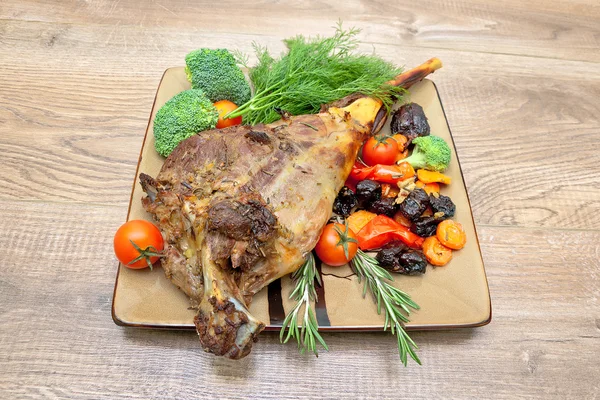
(382, 173)
(435, 252)
(344, 202)
(385, 205)
(431, 153)
(451, 234)
(359, 219)
(426, 176)
(382, 230)
(215, 71)
(410, 121)
(429, 188)
(368, 191)
(415, 204)
(442, 204)
(184, 115)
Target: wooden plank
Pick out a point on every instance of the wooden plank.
(57, 338)
(551, 29)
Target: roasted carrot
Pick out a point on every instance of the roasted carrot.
(429, 188)
(426, 176)
(451, 234)
(435, 252)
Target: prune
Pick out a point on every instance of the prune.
(442, 204)
(389, 257)
(415, 204)
(412, 263)
(425, 226)
(385, 205)
(368, 191)
(410, 121)
(396, 257)
(344, 202)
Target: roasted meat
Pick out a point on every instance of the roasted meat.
(242, 206)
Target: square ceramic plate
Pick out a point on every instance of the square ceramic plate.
(456, 295)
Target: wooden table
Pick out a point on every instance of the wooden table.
(521, 88)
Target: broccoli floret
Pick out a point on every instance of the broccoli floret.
(216, 72)
(430, 152)
(185, 114)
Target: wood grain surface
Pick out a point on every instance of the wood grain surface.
(521, 89)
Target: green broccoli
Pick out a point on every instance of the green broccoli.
(185, 114)
(216, 72)
(430, 152)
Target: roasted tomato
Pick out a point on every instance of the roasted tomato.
(224, 107)
(380, 150)
(337, 245)
(138, 244)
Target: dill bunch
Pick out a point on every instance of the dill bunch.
(314, 71)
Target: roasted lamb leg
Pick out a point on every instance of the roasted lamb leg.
(242, 206)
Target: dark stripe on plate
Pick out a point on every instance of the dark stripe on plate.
(321, 307)
(276, 311)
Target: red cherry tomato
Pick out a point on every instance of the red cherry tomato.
(138, 244)
(224, 107)
(337, 245)
(380, 150)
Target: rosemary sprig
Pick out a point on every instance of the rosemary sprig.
(304, 292)
(394, 301)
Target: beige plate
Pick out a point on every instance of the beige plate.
(456, 295)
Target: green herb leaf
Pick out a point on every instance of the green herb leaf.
(304, 293)
(394, 301)
(315, 71)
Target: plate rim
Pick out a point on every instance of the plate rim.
(276, 328)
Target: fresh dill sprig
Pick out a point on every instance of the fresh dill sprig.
(303, 293)
(315, 71)
(394, 301)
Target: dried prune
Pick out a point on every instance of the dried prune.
(410, 121)
(443, 204)
(389, 256)
(412, 263)
(415, 204)
(385, 205)
(425, 226)
(396, 257)
(368, 191)
(344, 202)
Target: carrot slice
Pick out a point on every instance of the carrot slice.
(451, 234)
(428, 187)
(426, 176)
(435, 252)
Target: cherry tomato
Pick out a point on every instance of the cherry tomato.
(224, 107)
(138, 244)
(380, 150)
(337, 245)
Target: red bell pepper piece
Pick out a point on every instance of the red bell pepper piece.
(382, 173)
(381, 230)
